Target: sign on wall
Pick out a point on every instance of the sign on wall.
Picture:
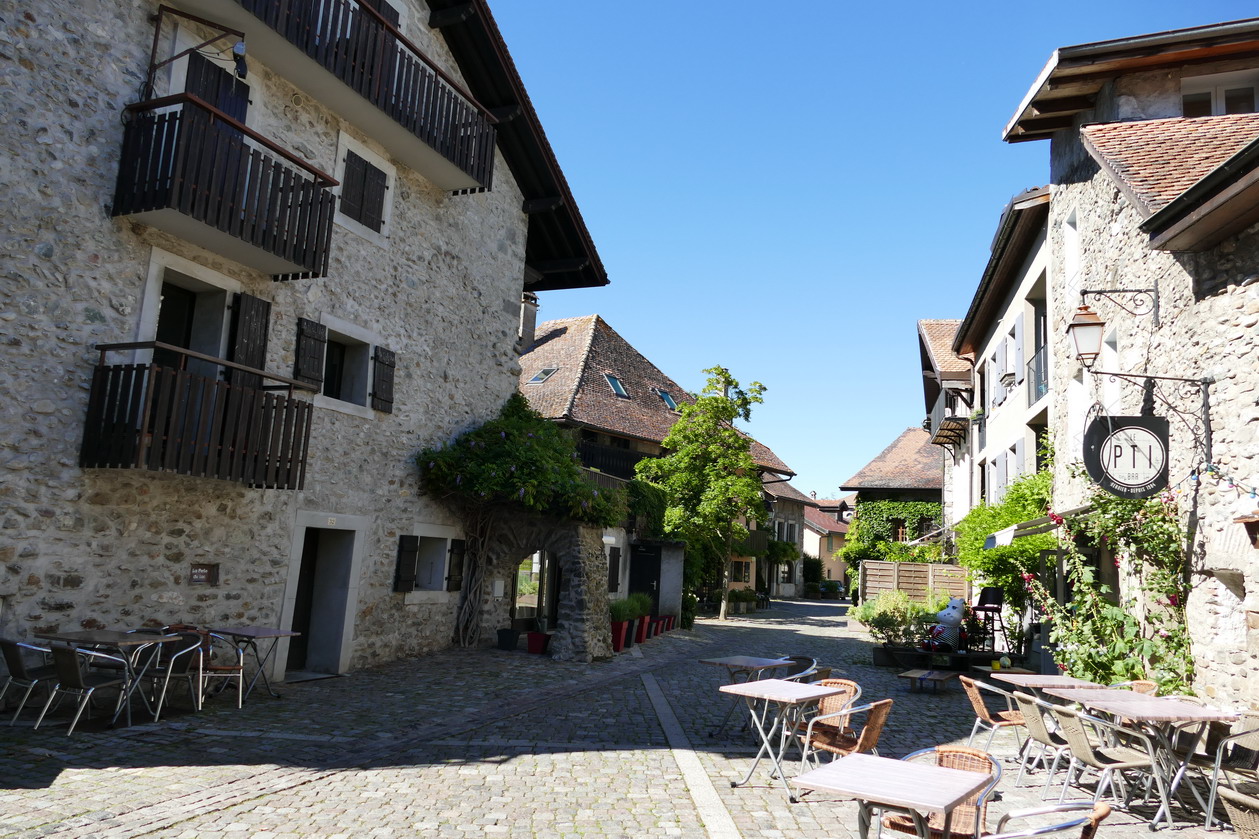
(1127, 456)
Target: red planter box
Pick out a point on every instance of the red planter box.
(539, 641)
(618, 635)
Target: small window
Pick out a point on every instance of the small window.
(363, 188)
(740, 572)
(666, 398)
(543, 374)
(617, 387)
(428, 563)
(345, 369)
(898, 530)
(1220, 93)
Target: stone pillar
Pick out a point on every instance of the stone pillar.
(584, 632)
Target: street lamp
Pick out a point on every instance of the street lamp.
(1086, 330)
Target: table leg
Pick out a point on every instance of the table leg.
(863, 819)
(261, 661)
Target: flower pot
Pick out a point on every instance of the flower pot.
(642, 628)
(538, 642)
(630, 632)
(508, 639)
(618, 635)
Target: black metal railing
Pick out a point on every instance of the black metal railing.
(180, 153)
(1038, 376)
(173, 419)
(360, 47)
(611, 460)
(948, 427)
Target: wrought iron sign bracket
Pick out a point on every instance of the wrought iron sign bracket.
(1203, 386)
(1144, 301)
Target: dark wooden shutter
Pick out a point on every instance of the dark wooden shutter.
(250, 317)
(375, 183)
(408, 563)
(217, 86)
(614, 569)
(352, 186)
(454, 573)
(383, 362)
(312, 340)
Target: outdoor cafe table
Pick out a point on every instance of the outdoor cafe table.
(789, 699)
(1157, 715)
(749, 667)
(915, 788)
(246, 638)
(1037, 681)
(129, 644)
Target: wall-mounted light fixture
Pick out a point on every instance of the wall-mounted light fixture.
(1143, 301)
(1086, 330)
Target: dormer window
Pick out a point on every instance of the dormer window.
(666, 398)
(617, 387)
(543, 374)
(1222, 93)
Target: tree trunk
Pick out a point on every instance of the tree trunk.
(468, 615)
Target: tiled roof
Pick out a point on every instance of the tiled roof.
(1156, 160)
(824, 522)
(850, 499)
(584, 349)
(911, 462)
(783, 491)
(938, 337)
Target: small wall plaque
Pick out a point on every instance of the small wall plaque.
(204, 574)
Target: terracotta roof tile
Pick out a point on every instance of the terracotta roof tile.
(583, 350)
(1156, 160)
(911, 462)
(938, 338)
(824, 522)
(784, 491)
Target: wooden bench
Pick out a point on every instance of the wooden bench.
(922, 678)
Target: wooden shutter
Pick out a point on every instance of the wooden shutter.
(312, 341)
(454, 572)
(375, 183)
(217, 86)
(408, 563)
(383, 362)
(352, 186)
(1019, 371)
(388, 12)
(1017, 466)
(614, 569)
(250, 318)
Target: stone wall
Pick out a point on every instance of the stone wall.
(113, 547)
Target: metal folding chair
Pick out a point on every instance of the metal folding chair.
(73, 679)
(21, 675)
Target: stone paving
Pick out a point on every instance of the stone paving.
(484, 743)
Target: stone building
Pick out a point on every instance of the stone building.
(787, 508)
(1154, 158)
(255, 256)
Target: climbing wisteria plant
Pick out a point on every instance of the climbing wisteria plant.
(1144, 637)
(516, 463)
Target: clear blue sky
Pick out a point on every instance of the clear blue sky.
(786, 188)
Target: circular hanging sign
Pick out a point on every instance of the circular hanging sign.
(1127, 456)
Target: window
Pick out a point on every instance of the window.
(898, 530)
(428, 563)
(617, 387)
(543, 374)
(924, 526)
(1221, 93)
(614, 569)
(786, 572)
(346, 365)
(667, 398)
(740, 572)
(366, 185)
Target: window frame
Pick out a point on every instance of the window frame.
(346, 143)
(451, 539)
(366, 368)
(666, 398)
(1218, 85)
(618, 387)
(542, 375)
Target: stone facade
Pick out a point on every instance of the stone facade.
(441, 287)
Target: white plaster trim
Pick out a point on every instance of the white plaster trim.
(343, 407)
(151, 301)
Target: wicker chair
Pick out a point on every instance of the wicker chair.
(1243, 812)
(22, 675)
(801, 670)
(844, 741)
(1051, 742)
(1139, 686)
(1087, 824)
(1236, 754)
(991, 721)
(970, 816)
(830, 719)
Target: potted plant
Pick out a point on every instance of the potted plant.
(641, 607)
(900, 625)
(621, 614)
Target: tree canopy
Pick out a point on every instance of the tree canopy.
(711, 483)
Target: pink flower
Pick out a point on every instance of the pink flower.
(1173, 599)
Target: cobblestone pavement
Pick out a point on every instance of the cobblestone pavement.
(484, 743)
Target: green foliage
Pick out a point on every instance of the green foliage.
(647, 504)
(895, 619)
(828, 586)
(690, 606)
(518, 459)
(708, 476)
(811, 569)
(742, 595)
(1145, 637)
(779, 552)
(621, 610)
(813, 589)
(1027, 498)
(524, 585)
(872, 532)
(639, 604)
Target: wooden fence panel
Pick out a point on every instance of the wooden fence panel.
(916, 579)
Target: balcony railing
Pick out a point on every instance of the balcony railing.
(350, 58)
(165, 419)
(948, 426)
(619, 463)
(189, 169)
(1038, 376)
(756, 544)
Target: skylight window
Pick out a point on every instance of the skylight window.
(543, 374)
(666, 397)
(617, 387)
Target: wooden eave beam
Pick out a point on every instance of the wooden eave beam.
(561, 266)
(1062, 105)
(505, 113)
(542, 205)
(450, 17)
(1047, 124)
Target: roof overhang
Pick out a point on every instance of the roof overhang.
(1068, 84)
(1222, 204)
(1021, 223)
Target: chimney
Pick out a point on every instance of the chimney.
(528, 320)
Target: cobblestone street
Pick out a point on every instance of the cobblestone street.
(483, 743)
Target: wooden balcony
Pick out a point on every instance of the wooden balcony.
(350, 58)
(949, 423)
(193, 171)
(193, 422)
(611, 460)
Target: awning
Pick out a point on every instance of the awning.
(1044, 524)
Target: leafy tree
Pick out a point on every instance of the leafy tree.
(1027, 498)
(516, 463)
(710, 481)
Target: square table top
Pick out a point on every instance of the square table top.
(1040, 680)
(106, 637)
(781, 691)
(255, 632)
(746, 662)
(923, 787)
(1140, 706)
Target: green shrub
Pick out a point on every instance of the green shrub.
(690, 605)
(829, 586)
(621, 610)
(640, 604)
(895, 619)
(811, 570)
(812, 589)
